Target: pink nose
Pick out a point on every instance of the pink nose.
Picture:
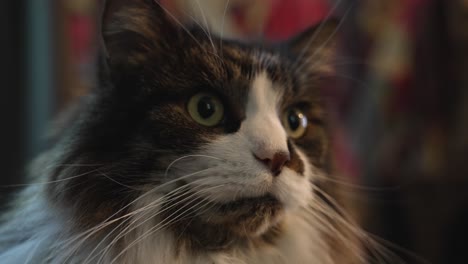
(274, 161)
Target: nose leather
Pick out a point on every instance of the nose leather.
(275, 161)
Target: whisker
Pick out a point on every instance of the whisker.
(109, 220)
(388, 244)
(119, 183)
(128, 216)
(145, 211)
(206, 26)
(360, 187)
(185, 157)
(321, 223)
(66, 165)
(222, 25)
(317, 31)
(155, 228)
(324, 44)
(50, 182)
(179, 23)
(32, 252)
(376, 251)
(346, 221)
(209, 200)
(350, 78)
(165, 209)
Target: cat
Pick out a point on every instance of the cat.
(191, 149)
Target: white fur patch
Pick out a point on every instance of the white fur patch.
(262, 126)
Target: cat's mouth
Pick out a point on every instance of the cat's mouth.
(251, 216)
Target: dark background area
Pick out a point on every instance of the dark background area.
(12, 93)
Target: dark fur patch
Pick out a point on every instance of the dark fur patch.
(215, 227)
(295, 163)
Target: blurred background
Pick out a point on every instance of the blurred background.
(399, 103)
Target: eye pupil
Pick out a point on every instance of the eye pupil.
(206, 107)
(294, 120)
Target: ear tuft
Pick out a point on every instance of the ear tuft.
(315, 48)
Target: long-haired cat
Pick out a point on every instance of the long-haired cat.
(192, 149)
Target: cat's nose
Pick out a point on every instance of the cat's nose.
(275, 161)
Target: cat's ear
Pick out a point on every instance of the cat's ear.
(134, 29)
(316, 47)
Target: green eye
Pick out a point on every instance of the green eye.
(295, 123)
(206, 109)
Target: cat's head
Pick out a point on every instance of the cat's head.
(231, 133)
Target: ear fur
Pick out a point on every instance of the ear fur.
(315, 47)
(132, 29)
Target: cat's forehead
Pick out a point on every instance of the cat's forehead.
(228, 69)
(231, 68)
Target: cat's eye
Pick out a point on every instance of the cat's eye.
(295, 123)
(206, 109)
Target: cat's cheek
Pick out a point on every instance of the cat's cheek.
(293, 191)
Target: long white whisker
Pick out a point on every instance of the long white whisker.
(213, 204)
(115, 181)
(154, 190)
(206, 26)
(108, 221)
(185, 157)
(320, 176)
(347, 222)
(50, 182)
(325, 43)
(379, 253)
(222, 25)
(145, 211)
(321, 223)
(139, 210)
(317, 31)
(157, 227)
(179, 23)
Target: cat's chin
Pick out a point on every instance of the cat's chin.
(243, 222)
(247, 217)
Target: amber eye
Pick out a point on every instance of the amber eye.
(206, 109)
(295, 122)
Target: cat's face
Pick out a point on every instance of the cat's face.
(231, 133)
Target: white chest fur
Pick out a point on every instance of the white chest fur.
(300, 243)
